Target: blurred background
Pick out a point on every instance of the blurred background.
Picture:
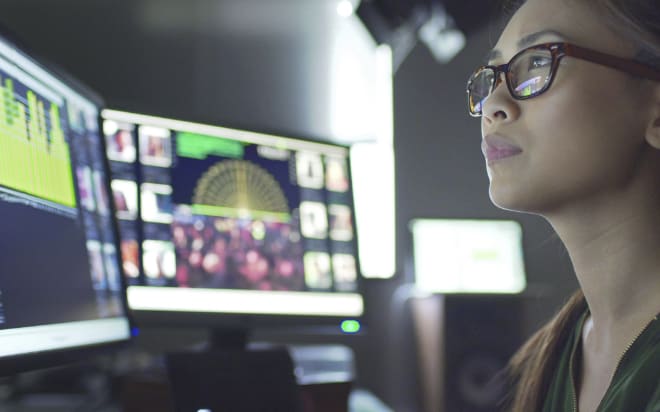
(386, 74)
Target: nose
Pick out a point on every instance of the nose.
(500, 106)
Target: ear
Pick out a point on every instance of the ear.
(653, 128)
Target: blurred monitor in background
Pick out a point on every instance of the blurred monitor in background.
(468, 256)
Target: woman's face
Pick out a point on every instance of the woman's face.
(581, 139)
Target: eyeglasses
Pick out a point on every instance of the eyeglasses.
(530, 72)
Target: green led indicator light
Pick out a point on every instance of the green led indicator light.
(350, 326)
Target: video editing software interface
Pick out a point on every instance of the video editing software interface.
(60, 284)
(228, 221)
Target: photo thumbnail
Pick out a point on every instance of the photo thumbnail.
(100, 193)
(341, 223)
(309, 170)
(317, 270)
(345, 271)
(96, 265)
(111, 267)
(119, 142)
(86, 188)
(336, 174)
(130, 257)
(124, 193)
(313, 220)
(158, 259)
(155, 146)
(156, 203)
(76, 116)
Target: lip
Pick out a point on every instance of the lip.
(496, 147)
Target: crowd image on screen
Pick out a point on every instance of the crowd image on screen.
(220, 252)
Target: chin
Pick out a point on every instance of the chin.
(514, 201)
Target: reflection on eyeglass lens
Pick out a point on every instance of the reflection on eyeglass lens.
(529, 87)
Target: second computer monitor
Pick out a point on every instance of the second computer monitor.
(226, 221)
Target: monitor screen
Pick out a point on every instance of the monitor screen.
(60, 282)
(468, 256)
(227, 221)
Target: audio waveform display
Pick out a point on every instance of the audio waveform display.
(34, 155)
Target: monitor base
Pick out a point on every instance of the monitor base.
(233, 379)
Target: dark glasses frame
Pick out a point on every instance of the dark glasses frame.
(558, 51)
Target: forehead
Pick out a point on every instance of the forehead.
(575, 21)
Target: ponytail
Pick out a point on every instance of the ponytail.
(532, 367)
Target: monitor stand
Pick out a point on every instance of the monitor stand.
(229, 376)
(228, 339)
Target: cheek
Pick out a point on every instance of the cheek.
(593, 100)
(579, 141)
(590, 116)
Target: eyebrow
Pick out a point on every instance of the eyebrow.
(526, 41)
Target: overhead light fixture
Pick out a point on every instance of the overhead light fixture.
(346, 8)
(440, 34)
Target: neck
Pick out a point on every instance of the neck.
(614, 246)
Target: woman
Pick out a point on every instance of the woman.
(570, 116)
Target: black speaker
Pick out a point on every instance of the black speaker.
(481, 333)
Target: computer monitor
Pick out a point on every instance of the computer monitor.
(468, 255)
(61, 292)
(233, 225)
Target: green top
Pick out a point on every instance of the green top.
(635, 386)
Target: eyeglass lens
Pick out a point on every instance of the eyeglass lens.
(528, 75)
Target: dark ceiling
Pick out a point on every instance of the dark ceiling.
(472, 15)
(469, 15)
(399, 22)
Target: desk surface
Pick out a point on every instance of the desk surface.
(360, 400)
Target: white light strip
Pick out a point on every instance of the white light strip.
(62, 335)
(244, 301)
(372, 165)
(222, 132)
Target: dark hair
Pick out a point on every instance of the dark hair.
(532, 367)
(636, 20)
